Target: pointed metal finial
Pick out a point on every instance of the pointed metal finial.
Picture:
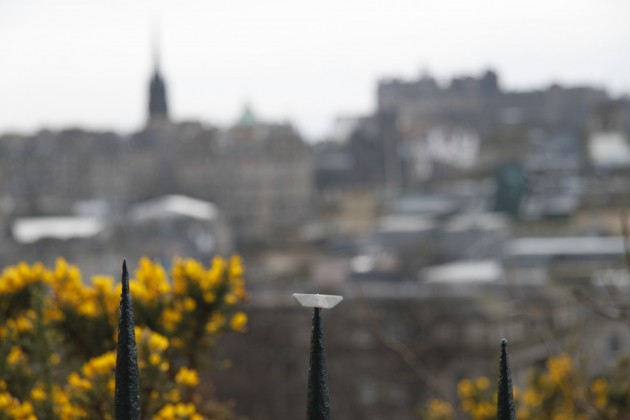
(505, 404)
(318, 404)
(127, 379)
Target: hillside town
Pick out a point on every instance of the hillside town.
(456, 213)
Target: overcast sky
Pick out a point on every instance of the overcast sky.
(87, 62)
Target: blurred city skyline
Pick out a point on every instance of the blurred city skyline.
(87, 64)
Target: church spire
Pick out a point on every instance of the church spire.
(158, 105)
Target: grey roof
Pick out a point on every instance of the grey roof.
(32, 229)
(570, 246)
(425, 204)
(391, 224)
(479, 221)
(173, 207)
(464, 271)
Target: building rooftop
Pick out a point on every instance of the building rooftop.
(424, 204)
(393, 224)
(566, 246)
(476, 220)
(609, 149)
(173, 207)
(466, 271)
(32, 229)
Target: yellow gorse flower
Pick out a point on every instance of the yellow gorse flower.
(440, 410)
(15, 356)
(76, 381)
(465, 388)
(158, 342)
(23, 324)
(187, 377)
(100, 366)
(559, 367)
(178, 411)
(482, 383)
(239, 321)
(217, 321)
(170, 318)
(14, 279)
(38, 394)
(151, 284)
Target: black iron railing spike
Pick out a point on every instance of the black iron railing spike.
(505, 401)
(127, 394)
(318, 398)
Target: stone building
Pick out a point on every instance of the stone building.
(426, 132)
(259, 174)
(48, 172)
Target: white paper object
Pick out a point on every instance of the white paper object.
(317, 300)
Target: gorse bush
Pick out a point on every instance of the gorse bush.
(559, 390)
(58, 338)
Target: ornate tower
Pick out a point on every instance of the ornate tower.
(158, 105)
